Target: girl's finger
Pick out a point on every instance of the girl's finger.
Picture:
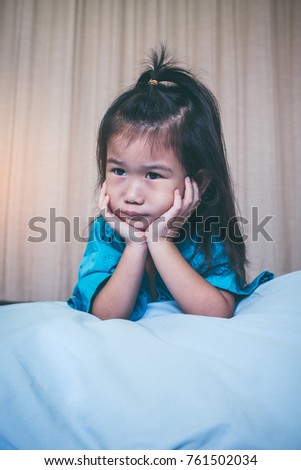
(192, 199)
(188, 198)
(196, 194)
(177, 204)
(101, 197)
(188, 195)
(103, 189)
(175, 208)
(106, 206)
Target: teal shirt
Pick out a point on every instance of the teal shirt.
(105, 248)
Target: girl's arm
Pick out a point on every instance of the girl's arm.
(190, 290)
(117, 298)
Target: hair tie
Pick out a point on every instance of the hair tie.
(153, 82)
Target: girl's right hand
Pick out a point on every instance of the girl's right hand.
(130, 234)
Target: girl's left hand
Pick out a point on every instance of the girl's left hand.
(168, 224)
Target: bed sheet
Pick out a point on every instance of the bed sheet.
(169, 381)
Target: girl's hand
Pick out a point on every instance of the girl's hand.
(126, 231)
(168, 224)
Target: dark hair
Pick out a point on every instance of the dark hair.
(178, 111)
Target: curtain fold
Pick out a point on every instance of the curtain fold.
(62, 63)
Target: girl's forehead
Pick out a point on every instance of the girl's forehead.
(147, 147)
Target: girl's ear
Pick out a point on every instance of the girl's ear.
(203, 179)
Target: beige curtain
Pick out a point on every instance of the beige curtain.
(61, 64)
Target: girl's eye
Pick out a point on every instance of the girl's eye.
(153, 176)
(118, 171)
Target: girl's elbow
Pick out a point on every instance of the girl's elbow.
(109, 313)
(222, 307)
(228, 304)
(228, 313)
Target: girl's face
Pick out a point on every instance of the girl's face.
(141, 180)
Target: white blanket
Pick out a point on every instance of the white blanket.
(169, 381)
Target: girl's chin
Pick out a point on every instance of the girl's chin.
(138, 223)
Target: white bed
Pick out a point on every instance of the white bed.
(168, 381)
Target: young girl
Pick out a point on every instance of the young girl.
(167, 228)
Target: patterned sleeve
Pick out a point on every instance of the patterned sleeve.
(97, 265)
(222, 275)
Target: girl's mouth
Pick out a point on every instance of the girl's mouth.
(132, 215)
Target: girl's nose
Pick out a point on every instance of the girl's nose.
(134, 194)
